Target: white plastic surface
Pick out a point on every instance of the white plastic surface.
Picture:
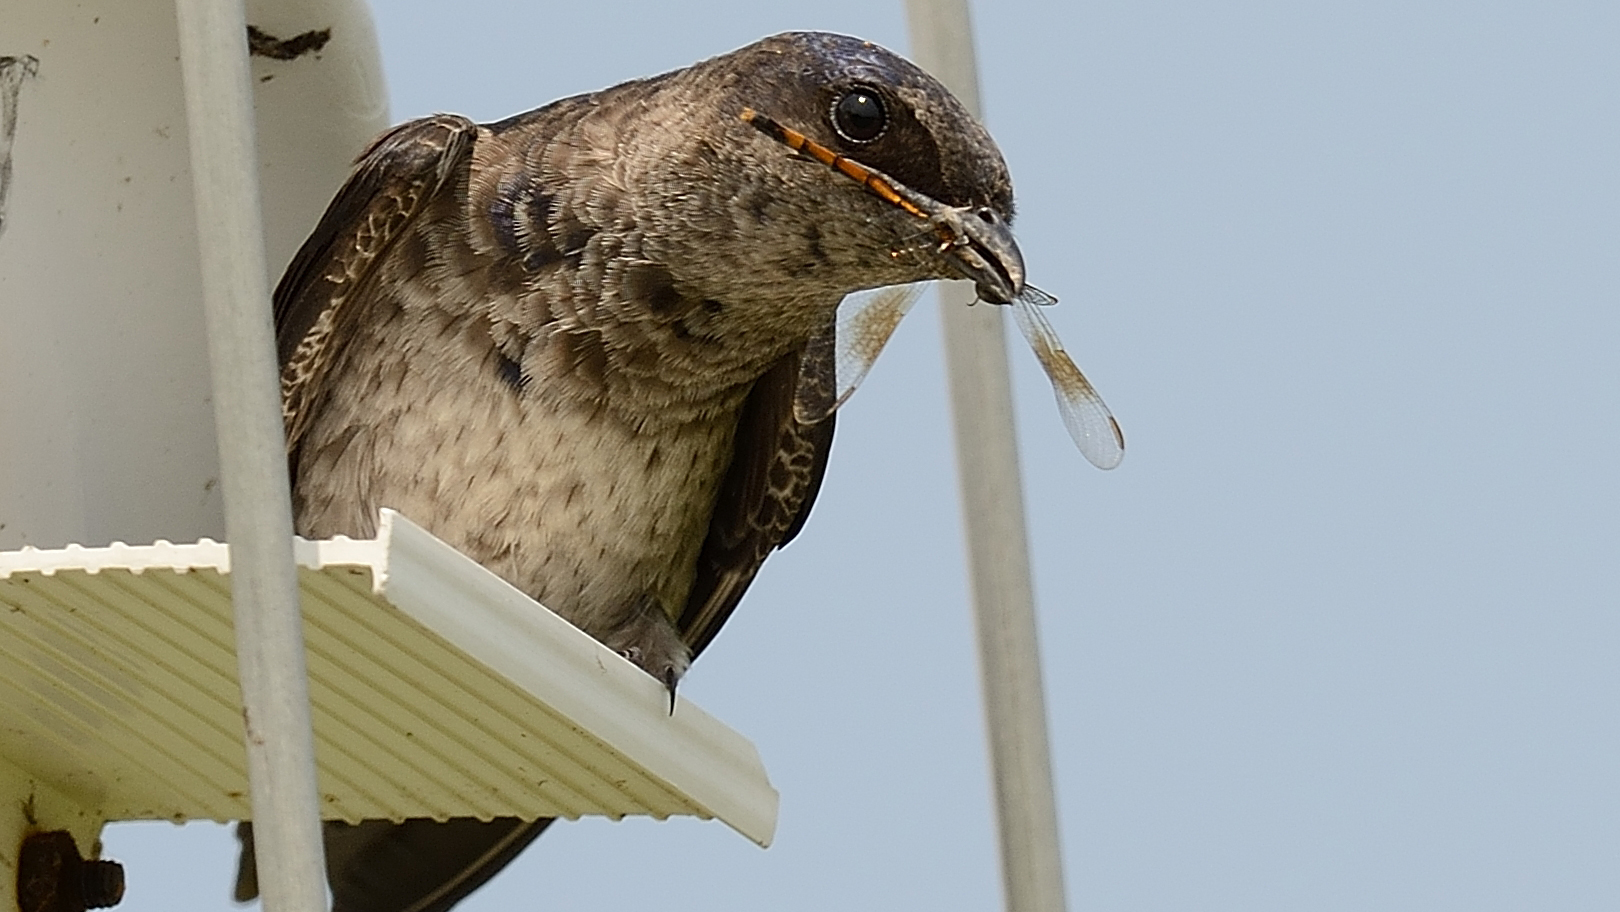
(438, 689)
(102, 352)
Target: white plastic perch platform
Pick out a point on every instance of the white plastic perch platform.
(439, 691)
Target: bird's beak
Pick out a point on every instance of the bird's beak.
(985, 252)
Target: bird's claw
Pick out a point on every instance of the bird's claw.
(670, 680)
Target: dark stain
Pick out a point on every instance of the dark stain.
(13, 70)
(264, 44)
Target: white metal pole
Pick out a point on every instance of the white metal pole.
(993, 509)
(252, 451)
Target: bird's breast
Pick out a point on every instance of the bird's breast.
(584, 506)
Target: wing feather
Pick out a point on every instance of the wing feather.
(322, 293)
(775, 474)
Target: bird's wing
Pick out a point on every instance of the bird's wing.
(323, 292)
(321, 297)
(764, 500)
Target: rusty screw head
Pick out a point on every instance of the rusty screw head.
(53, 877)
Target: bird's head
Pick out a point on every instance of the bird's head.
(791, 127)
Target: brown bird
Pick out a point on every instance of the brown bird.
(568, 344)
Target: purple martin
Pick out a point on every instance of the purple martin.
(567, 343)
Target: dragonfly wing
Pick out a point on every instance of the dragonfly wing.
(1033, 295)
(1089, 422)
(838, 358)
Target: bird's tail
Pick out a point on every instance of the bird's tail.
(415, 866)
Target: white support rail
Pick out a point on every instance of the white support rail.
(993, 511)
(253, 469)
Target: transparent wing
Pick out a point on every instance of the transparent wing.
(1033, 295)
(1089, 422)
(837, 360)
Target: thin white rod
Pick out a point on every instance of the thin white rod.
(252, 453)
(993, 511)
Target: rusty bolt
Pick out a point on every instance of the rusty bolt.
(53, 877)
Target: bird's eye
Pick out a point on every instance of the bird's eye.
(859, 116)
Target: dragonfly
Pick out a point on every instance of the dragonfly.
(837, 360)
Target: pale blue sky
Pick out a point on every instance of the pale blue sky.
(1340, 634)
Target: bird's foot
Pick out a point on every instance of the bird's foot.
(670, 676)
(649, 642)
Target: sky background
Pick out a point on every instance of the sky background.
(1340, 633)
